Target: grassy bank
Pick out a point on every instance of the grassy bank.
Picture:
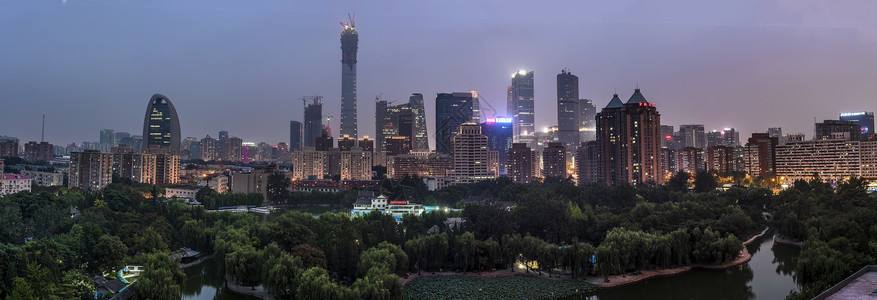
(509, 287)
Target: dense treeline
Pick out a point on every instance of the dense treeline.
(210, 199)
(839, 227)
(553, 226)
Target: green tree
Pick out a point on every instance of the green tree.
(151, 241)
(278, 187)
(112, 254)
(316, 284)
(76, 285)
(310, 257)
(705, 181)
(244, 265)
(160, 279)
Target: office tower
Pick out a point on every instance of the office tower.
(195, 150)
(586, 162)
(471, 157)
(9, 148)
(118, 136)
(721, 159)
(692, 136)
(313, 121)
(832, 129)
(366, 144)
(568, 123)
(324, 142)
(628, 141)
(356, 164)
(714, 138)
(90, 170)
(161, 126)
(521, 106)
(667, 136)
(689, 159)
(107, 137)
(346, 142)
(398, 145)
(520, 163)
(420, 141)
(452, 110)
(349, 47)
(760, 155)
(499, 138)
(587, 114)
(221, 147)
(233, 147)
(295, 133)
(208, 148)
(554, 160)
(865, 120)
(34, 151)
(777, 132)
(731, 137)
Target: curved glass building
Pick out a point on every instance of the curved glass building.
(161, 126)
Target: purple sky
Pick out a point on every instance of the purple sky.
(242, 66)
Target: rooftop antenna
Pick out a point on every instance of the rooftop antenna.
(43, 134)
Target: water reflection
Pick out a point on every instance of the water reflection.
(769, 275)
(205, 282)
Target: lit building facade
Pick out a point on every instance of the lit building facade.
(161, 126)
(452, 110)
(499, 138)
(554, 160)
(521, 105)
(306, 163)
(628, 141)
(520, 163)
(356, 164)
(349, 48)
(834, 160)
(471, 157)
(721, 159)
(760, 154)
(568, 123)
(90, 170)
(865, 121)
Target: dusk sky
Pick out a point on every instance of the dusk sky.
(242, 66)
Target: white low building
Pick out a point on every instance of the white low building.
(13, 183)
(45, 178)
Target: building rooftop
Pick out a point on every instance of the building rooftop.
(860, 285)
(14, 176)
(615, 102)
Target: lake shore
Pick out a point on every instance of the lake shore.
(620, 280)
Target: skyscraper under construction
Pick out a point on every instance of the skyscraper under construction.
(349, 46)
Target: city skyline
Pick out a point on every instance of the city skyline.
(729, 56)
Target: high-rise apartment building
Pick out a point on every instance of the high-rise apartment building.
(233, 148)
(366, 144)
(471, 157)
(568, 123)
(760, 154)
(295, 133)
(420, 164)
(9, 148)
(90, 170)
(865, 120)
(554, 160)
(520, 163)
(721, 159)
(161, 126)
(307, 162)
(208, 148)
(586, 162)
(34, 151)
(452, 110)
(325, 142)
(521, 105)
(835, 160)
(689, 159)
(356, 164)
(628, 141)
(349, 47)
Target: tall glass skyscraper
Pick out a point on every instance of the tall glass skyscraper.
(451, 111)
(313, 124)
(521, 106)
(568, 109)
(161, 126)
(349, 47)
(295, 132)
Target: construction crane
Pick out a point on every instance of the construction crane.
(349, 23)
